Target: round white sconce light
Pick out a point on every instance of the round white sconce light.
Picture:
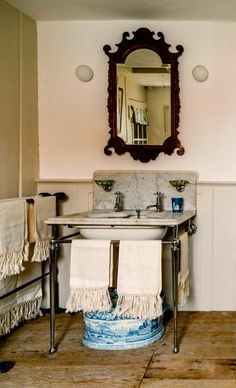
(200, 73)
(84, 73)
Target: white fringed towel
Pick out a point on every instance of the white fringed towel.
(22, 305)
(183, 277)
(44, 208)
(139, 279)
(13, 236)
(89, 276)
(29, 299)
(8, 304)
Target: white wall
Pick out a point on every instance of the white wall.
(73, 118)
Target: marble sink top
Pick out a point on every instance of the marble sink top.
(108, 214)
(133, 214)
(124, 218)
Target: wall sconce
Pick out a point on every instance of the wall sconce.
(107, 185)
(200, 73)
(84, 73)
(179, 184)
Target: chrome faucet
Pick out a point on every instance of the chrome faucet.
(158, 205)
(119, 201)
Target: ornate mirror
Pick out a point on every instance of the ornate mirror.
(143, 96)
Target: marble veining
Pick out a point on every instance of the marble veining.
(138, 188)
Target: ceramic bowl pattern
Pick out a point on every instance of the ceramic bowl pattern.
(104, 331)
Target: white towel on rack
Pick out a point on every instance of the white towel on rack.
(139, 279)
(13, 236)
(8, 304)
(89, 276)
(183, 276)
(24, 304)
(29, 298)
(44, 208)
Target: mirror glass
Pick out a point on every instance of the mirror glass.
(143, 98)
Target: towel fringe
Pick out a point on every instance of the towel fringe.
(89, 300)
(11, 263)
(183, 291)
(41, 250)
(19, 313)
(139, 306)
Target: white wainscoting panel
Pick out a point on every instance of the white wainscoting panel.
(224, 252)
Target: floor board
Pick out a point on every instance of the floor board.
(207, 356)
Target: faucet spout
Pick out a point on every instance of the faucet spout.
(150, 206)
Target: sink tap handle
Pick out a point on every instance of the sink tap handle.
(118, 204)
(159, 205)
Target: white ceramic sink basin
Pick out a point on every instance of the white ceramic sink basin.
(121, 231)
(124, 232)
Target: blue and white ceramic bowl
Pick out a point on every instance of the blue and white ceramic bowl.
(104, 331)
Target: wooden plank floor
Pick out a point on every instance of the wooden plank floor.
(207, 356)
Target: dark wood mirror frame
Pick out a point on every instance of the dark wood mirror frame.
(143, 38)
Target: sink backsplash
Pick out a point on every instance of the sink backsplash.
(138, 188)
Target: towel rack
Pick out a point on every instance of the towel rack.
(59, 197)
(29, 200)
(5, 366)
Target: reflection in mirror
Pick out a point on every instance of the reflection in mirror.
(143, 96)
(144, 100)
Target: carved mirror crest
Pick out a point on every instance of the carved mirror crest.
(143, 96)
